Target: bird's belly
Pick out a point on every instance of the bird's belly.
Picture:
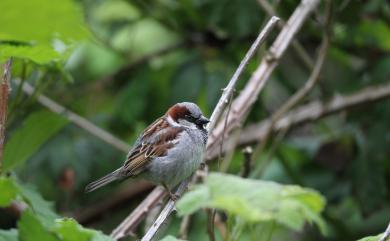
(176, 166)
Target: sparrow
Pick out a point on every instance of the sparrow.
(167, 152)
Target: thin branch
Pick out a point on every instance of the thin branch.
(210, 223)
(243, 103)
(184, 227)
(312, 112)
(164, 213)
(4, 92)
(306, 88)
(386, 234)
(224, 100)
(214, 118)
(76, 119)
(298, 48)
(246, 165)
(129, 224)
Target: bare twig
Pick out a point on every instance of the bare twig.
(306, 88)
(298, 48)
(243, 103)
(214, 118)
(184, 227)
(246, 166)
(164, 213)
(210, 223)
(312, 112)
(76, 119)
(140, 212)
(224, 100)
(4, 92)
(386, 234)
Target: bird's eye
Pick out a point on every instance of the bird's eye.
(189, 117)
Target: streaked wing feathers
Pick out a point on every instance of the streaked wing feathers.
(157, 139)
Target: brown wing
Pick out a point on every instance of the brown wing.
(154, 142)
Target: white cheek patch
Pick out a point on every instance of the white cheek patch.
(171, 121)
(186, 123)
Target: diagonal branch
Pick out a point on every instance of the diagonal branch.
(307, 87)
(4, 92)
(243, 103)
(76, 119)
(298, 48)
(228, 91)
(386, 234)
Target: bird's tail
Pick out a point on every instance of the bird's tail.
(103, 181)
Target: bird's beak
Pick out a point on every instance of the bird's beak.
(202, 120)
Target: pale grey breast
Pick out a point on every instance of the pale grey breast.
(181, 161)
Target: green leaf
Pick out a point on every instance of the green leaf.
(372, 238)
(37, 129)
(70, 230)
(11, 190)
(42, 208)
(171, 238)
(116, 10)
(9, 235)
(30, 228)
(140, 37)
(40, 21)
(39, 54)
(256, 201)
(8, 190)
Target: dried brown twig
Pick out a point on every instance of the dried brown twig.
(243, 103)
(306, 88)
(4, 92)
(298, 48)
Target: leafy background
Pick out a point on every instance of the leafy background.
(121, 64)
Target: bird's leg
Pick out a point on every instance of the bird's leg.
(172, 195)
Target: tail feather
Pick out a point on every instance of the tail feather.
(103, 181)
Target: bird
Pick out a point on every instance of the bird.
(166, 152)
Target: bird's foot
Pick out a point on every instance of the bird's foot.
(173, 196)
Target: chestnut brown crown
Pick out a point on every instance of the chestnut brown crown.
(189, 112)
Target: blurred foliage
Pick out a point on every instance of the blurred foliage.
(255, 201)
(121, 64)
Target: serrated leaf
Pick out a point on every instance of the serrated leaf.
(42, 208)
(37, 129)
(70, 230)
(9, 235)
(31, 229)
(256, 201)
(11, 190)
